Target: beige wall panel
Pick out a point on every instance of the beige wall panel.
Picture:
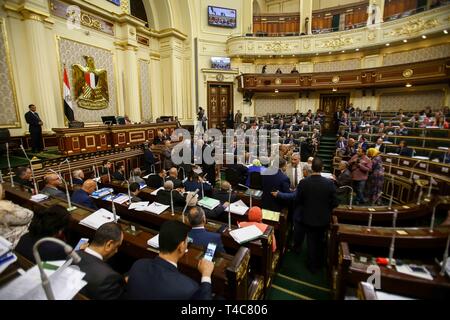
(435, 52)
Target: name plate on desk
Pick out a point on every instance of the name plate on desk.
(406, 163)
(422, 165)
(388, 160)
(400, 173)
(444, 169)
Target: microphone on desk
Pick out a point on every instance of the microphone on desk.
(250, 191)
(171, 202)
(36, 189)
(9, 165)
(187, 202)
(351, 196)
(391, 248)
(444, 261)
(1, 177)
(69, 202)
(74, 257)
(201, 184)
(229, 208)
(391, 199)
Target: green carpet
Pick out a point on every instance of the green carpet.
(18, 158)
(293, 281)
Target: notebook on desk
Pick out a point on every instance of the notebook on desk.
(246, 234)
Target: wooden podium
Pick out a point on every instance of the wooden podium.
(99, 138)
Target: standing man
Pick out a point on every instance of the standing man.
(316, 198)
(35, 127)
(237, 119)
(294, 170)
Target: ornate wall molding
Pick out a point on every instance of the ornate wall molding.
(426, 22)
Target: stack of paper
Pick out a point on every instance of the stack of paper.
(100, 193)
(138, 205)
(254, 193)
(156, 191)
(156, 208)
(64, 282)
(154, 242)
(119, 198)
(270, 215)
(246, 234)
(98, 218)
(6, 256)
(39, 197)
(209, 203)
(238, 207)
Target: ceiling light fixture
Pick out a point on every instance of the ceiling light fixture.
(405, 41)
(276, 90)
(388, 44)
(424, 36)
(357, 49)
(334, 89)
(445, 31)
(408, 85)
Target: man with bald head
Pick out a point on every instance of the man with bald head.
(81, 196)
(173, 176)
(52, 182)
(222, 194)
(163, 196)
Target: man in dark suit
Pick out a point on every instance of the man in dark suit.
(78, 177)
(135, 188)
(222, 195)
(23, 177)
(163, 196)
(173, 176)
(403, 149)
(316, 197)
(103, 283)
(120, 173)
(35, 127)
(159, 278)
(149, 159)
(156, 180)
(276, 182)
(198, 233)
(81, 196)
(52, 182)
(106, 169)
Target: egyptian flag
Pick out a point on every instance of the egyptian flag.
(68, 110)
(91, 79)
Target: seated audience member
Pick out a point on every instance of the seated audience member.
(52, 222)
(198, 233)
(402, 130)
(173, 176)
(52, 182)
(156, 180)
(380, 146)
(163, 196)
(403, 149)
(120, 173)
(159, 278)
(223, 194)
(255, 218)
(135, 188)
(149, 159)
(136, 176)
(23, 177)
(14, 219)
(196, 182)
(341, 144)
(167, 155)
(103, 283)
(82, 196)
(78, 177)
(159, 138)
(343, 179)
(351, 148)
(106, 168)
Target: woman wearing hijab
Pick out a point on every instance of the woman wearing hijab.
(376, 177)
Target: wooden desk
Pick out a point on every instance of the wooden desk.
(99, 138)
(230, 276)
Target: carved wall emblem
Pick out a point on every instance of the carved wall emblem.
(277, 46)
(277, 81)
(220, 77)
(407, 73)
(413, 27)
(337, 42)
(335, 79)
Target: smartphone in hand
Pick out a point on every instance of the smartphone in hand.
(82, 241)
(210, 249)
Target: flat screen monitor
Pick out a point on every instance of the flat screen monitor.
(221, 17)
(109, 120)
(120, 120)
(220, 63)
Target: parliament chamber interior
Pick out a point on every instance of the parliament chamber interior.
(224, 150)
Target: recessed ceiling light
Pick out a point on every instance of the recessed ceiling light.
(329, 52)
(424, 37)
(276, 90)
(334, 89)
(445, 31)
(388, 44)
(357, 49)
(408, 85)
(404, 40)
(293, 55)
(343, 51)
(317, 53)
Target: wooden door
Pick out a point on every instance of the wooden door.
(220, 103)
(330, 104)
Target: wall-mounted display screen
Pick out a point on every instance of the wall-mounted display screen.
(220, 63)
(221, 17)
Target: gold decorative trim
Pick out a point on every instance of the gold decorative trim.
(277, 81)
(125, 6)
(242, 270)
(413, 27)
(337, 42)
(335, 79)
(4, 34)
(277, 46)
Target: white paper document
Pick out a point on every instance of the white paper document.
(64, 282)
(156, 208)
(415, 271)
(238, 207)
(154, 242)
(140, 204)
(98, 218)
(209, 203)
(156, 191)
(150, 174)
(39, 197)
(245, 234)
(119, 198)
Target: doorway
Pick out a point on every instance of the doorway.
(331, 104)
(220, 104)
